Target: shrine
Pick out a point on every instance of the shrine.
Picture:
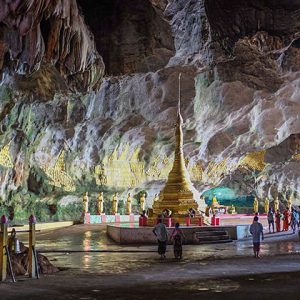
(178, 194)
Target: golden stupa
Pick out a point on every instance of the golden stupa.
(177, 195)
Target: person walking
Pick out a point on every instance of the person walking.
(256, 229)
(177, 235)
(286, 219)
(294, 219)
(160, 231)
(278, 220)
(271, 219)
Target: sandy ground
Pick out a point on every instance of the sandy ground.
(222, 271)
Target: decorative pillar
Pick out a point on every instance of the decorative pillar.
(3, 245)
(31, 251)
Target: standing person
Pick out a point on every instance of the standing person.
(256, 229)
(271, 219)
(278, 220)
(160, 231)
(286, 219)
(294, 219)
(178, 236)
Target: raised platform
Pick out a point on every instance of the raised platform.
(240, 219)
(134, 234)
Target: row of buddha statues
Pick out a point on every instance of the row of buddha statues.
(267, 204)
(115, 203)
(216, 207)
(142, 204)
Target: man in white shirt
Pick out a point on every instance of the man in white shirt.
(161, 233)
(256, 229)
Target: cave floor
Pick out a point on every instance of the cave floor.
(215, 271)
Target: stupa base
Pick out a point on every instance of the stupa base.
(182, 220)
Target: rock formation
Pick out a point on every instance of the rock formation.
(20, 262)
(240, 96)
(49, 42)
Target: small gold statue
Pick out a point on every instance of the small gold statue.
(156, 198)
(115, 202)
(100, 203)
(142, 202)
(208, 211)
(85, 201)
(266, 205)
(128, 204)
(289, 203)
(255, 205)
(215, 202)
(276, 204)
(231, 209)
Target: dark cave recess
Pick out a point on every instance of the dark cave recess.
(131, 36)
(234, 19)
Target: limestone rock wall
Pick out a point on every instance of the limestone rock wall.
(240, 97)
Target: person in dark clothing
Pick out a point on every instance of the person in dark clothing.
(177, 235)
(271, 219)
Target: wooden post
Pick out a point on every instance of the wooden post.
(31, 258)
(3, 246)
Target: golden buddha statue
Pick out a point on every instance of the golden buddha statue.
(202, 199)
(128, 204)
(276, 204)
(208, 211)
(231, 209)
(266, 205)
(214, 203)
(100, 203)
(115, 202)
(142, 202)
(289, 203)
(155, 198)
(85, 201)
(255, 205)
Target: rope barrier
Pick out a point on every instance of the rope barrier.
(97, 251)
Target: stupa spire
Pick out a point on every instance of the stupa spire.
(179, 93)
(179, 171)
(179, 117)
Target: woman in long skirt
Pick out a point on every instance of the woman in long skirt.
(286, 219)
(278, 220)
(177, 235)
